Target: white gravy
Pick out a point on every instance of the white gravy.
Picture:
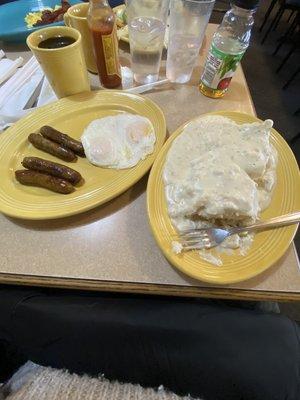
(217, 170)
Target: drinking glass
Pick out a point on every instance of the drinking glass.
(188, 22)
(146, 25)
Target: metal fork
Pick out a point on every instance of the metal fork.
(207, 238)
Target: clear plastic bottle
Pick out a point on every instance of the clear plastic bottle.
(227, 48)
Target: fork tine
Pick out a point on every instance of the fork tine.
(195, 240)
(197, 247)
(194, 247)
(194, 234)
(181, 238)
(191, 230)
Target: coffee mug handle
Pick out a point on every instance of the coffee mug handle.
(67, 19)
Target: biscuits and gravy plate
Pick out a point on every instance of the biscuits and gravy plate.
(211, 180)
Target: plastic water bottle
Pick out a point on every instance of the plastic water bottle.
(227, 48)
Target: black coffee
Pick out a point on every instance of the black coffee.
(56, 42)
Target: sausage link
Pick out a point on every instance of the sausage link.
(61, 138)
(52, 168)
(50, 147)
(34, 178)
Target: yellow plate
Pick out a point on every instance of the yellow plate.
(71, 115)
(267, 247)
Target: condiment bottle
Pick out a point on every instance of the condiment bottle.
(101, 20)
(228, 46)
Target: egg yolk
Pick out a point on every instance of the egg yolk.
(136, 132)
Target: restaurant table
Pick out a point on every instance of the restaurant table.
(111, 248)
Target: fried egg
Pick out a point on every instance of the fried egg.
(118, 141)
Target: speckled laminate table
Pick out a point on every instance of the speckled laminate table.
(111, 247)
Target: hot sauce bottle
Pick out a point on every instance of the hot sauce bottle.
(101, 20)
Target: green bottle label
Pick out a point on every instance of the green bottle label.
(219, 68)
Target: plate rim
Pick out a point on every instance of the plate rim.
(176, 263)
(133, 181)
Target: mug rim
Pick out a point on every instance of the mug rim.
(81, 5)
(53, 29)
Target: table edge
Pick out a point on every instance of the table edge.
(148, 288)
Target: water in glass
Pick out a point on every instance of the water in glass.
(146, 43)
(188, 22)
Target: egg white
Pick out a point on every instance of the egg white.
(118, 141)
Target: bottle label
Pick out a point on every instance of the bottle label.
(110, 50)
(219, 68)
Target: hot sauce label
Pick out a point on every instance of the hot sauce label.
(110, 50)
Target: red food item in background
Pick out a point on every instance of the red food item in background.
(59, 18)
(65, 5)
(48, 17)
